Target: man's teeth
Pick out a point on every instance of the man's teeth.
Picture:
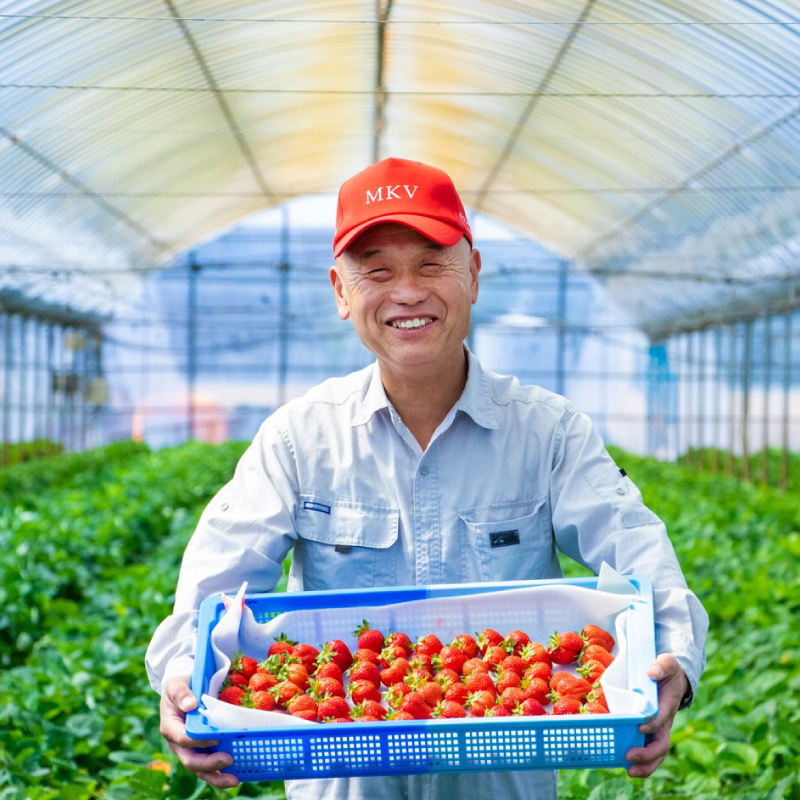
(417, 322)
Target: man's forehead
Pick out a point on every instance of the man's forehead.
(387, 234)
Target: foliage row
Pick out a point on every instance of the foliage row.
(90, 559)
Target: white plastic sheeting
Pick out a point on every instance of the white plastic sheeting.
(654, 143)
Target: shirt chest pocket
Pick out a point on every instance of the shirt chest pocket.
(345, 544)
(507, 542)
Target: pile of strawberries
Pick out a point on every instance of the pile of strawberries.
(391, 678)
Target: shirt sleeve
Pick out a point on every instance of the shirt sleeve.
(598, 515)
(244, 534)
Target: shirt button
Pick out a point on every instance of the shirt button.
(423, 470)
(620, 490)
(224, 506)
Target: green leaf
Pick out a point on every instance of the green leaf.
(620, 789)
(738, 754)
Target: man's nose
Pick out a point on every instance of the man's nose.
(408, 289)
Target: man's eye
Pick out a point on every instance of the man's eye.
(378, 273)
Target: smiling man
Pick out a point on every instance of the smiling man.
(423, 468)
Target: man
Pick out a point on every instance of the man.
(407, 472)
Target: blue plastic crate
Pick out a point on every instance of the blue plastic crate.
(425, 746)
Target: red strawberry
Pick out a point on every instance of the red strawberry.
(451, 657)
(514, 663)
(301, 703)
(244, 665)
(363, 690)
(572, 687)
(262, 700)
(395, 672)
(594, 635)
(594, 651)
(307, 655)
(488, 637)
(399, 640)
(232, 695)
(365, 671)
(337, 719)
(591, 670)
(467, 644)
(274, 664)
(394, 715)
(479, 702)
(429, 645)
(597, 696)
(329, 670)
(535, 653)
(368, 638)
(339, 653)
(494, 655)
(563, 648)
(431, 693)
(333, 707)
(237, 679)
(497, 711)
(421, 661)
(296, 673)
(283, 646)
(538, 670)
(535, 688)
(414, 704)
(474, 665)
(506, 679)
(284, 691)
(445, 677)
(372, 709)
(397, 691)
(594, 708)
(558, 676)
(323, 686)
(366, 655)
(530, 708)
(567, 705)
(479, 681)
(457, 692)
(449, 709)
(308, 716)
(390, 654)
(511, 697)
(515, 641)
(417, 675)
(262, 680)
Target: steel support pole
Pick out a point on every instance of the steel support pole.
(191, 347)
(561, 353)
(283, 330)
(729, 462)
(50, 404)
(748, 343)
(767, 377)
(717, 418)
(22, 389)
(7, 368)
(701, 396)
(787, 381)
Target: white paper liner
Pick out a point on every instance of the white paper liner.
(538, 610)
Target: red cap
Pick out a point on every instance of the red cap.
(408, 192)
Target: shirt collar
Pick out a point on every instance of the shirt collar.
(475, 400)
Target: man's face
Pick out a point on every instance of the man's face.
(409, 298)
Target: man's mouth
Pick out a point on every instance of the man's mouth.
(416, 322)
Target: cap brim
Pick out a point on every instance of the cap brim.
(440, 232)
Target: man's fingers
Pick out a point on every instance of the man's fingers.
(647, 759)
(219, 780)
(202, 762)
(173, 720)
(178, 692)
(665, 666)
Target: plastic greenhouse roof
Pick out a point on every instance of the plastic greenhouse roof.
(652, 143)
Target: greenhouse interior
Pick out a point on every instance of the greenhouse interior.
(169, 174)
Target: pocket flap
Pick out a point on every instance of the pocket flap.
(344, 522)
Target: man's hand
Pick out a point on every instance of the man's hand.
(672, 686)
(176, 700)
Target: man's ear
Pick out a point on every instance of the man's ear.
(342, 305)
(474, 269)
